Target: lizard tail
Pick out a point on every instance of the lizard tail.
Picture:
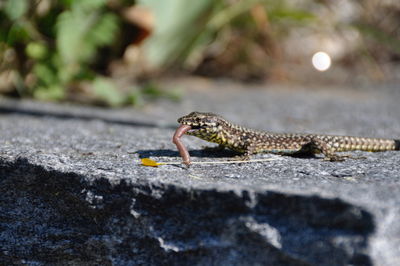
(369, 144)
(373, 144)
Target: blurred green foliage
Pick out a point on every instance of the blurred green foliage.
(56, 50)
(184, 33)
(372, 31)
(56, 45)
(52, 47)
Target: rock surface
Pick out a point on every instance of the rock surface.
(73, 193)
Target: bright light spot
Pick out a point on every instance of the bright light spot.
(321, 61)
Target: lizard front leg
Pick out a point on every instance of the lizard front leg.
(246, 153)
(249, 150)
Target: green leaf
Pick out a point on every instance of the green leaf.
(16, 8)
(36, 50)
(46, 75)
(71, 30)
(53, 92)
(103, 32)
(80, 34)
(106, 91)
(177, 26)
(17, 33)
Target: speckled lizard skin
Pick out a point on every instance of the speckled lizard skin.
(214, 128)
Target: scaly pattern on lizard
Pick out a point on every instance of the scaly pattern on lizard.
(214, 128)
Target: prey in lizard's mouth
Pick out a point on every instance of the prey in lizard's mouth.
(194, 128)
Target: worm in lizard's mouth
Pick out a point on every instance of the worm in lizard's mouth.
(193, 128)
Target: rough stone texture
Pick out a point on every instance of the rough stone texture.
(72, 191)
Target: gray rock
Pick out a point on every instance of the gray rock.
(73, 192)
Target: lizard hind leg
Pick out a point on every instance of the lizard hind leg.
(329, 152)
(326, 149)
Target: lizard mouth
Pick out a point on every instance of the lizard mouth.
(193, 127)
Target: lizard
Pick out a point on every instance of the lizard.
(214, 128)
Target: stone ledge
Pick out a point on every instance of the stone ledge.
(53, 217)
(72, 190)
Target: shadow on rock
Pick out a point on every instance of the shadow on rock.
(194, 153)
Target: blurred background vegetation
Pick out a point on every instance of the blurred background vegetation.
(110, 52)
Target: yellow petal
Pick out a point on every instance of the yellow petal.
(149, 162)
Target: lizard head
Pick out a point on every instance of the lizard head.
(203, 125)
